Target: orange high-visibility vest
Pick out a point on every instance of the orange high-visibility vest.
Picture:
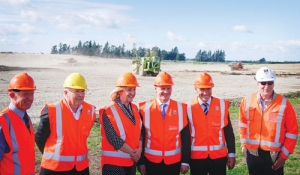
(163, 138)
(274, 130)
(20, 160)
(125, 129)
(207, 133)
(66, 145)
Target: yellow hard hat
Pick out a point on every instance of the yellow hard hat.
(75, 81)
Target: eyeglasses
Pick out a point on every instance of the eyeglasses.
(78, 92)
(269, 83)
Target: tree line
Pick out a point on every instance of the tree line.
(90, 48)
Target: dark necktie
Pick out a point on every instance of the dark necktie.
(26, 119)
(163, 110)
(205, 108)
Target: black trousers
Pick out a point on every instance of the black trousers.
(208, 165)
(262, 164)
(161, 168)
(44, 171)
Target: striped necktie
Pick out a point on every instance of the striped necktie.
(163, 112)
(205, 108)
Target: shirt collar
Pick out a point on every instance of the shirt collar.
(16, 110)
(201, 102)
(160, 103)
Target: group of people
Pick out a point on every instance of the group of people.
(160, 136)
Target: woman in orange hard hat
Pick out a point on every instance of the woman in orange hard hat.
(121, 129)
(167, 141)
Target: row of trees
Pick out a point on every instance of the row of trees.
(208, 56)
(111, 51)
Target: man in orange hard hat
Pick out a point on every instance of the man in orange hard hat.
(17, 148)
(268, 126)
(210, 129)
(166, 132)
(63, 130)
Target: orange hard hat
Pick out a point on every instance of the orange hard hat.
(127, 79)
(21, 81)
(163, 79)
(204, 80)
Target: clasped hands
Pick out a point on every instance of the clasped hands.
(135, 156)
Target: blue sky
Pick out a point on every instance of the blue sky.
(245, 30)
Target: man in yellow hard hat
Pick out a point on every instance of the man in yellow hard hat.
(17, 148)
(63, 130)
(166, 132)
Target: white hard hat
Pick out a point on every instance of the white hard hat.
(265, 74)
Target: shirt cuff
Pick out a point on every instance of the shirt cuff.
(231, 155)
(186, 164)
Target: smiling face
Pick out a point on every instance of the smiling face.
(265, 90)
(127, 95)
(163, 93)
(23, 99)
(204, 93)
(74, 97)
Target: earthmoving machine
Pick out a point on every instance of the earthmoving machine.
(237, 66)
(146, 65)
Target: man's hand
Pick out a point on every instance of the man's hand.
(142, 169)
(279, 163)
(136, 155)
(231, 162)
(184, 169)
(244, 150)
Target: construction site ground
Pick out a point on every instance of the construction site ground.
(50, 71)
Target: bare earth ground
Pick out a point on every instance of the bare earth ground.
(50, 71)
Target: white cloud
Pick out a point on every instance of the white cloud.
(11, 29)
(241, 28)
(14, 2)
(29, 16)
(201, 45)
(130, 38)
(172, 37)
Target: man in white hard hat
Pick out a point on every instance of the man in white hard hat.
(63, 130)
(268, 127)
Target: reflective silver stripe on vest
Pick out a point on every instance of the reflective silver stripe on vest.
(279, 120)
(222, 106)
(83, 157)
(153, 152)
(285, 151)
(59, 157)
(93, 111)
(58, 127)
(119, 122)
(173, 152)
(242, 125)
(243, 141)
(271, 144)
(190, 116)
(118, 153)
(253, 142)
(247, 110)
(199, 148)
(180, 122)
(291, 136)
(17, 166)
(217, 147)
(147, 122)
